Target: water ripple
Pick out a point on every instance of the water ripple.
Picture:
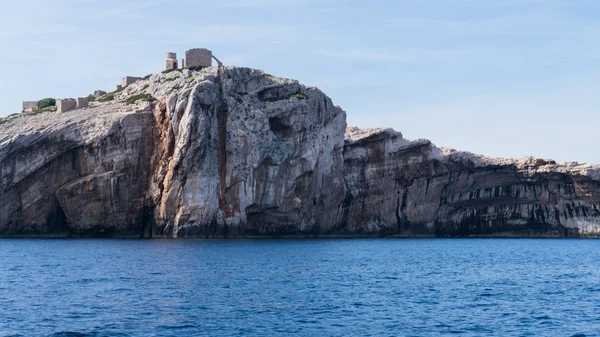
(299, 287)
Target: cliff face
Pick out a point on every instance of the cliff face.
(223, 152)
(81, 173)
(244, 153)
(412, 188)
(235, 152)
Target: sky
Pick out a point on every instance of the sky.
(507, 78)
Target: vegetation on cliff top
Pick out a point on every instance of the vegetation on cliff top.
(8, 118)
(110, 96)
(140, 97)
(46, 102)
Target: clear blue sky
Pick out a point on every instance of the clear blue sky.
(502, 78)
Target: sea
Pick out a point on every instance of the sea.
(300, 287)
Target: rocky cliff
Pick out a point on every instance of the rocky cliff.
(231, 152)
(412, 188)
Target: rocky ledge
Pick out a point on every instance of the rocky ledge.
(235, 152)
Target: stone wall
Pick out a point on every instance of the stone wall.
(199, 57)
(129, 80)
(29, 106)
(82, 102)
(64, 105)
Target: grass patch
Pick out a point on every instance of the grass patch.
(140, 97)
(146, 77)
(110, 96)
(269, 75)
(298, 95)
(170, 71)
(41, 110)
(8, 118)
(46, 102)
(106, 98)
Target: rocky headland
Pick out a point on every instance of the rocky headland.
(235, 152)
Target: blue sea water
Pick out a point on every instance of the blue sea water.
(311, 287)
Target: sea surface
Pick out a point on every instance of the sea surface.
(310, 287)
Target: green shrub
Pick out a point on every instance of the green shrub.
(146, 77)
(46, 102)
(8, 118)
(91, 98)
(108, 97)
(140, 97)
(40, 110)
(298, 95)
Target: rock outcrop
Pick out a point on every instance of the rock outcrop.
(234, 152)
(412, 188)
(78, 173)
(247, 155)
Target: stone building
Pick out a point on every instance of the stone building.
(66, 104)
(129, 80)
(198, 57)
(171, 61)
(29, 106)
(82, 102)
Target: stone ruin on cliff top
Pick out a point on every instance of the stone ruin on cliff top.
(194, 58)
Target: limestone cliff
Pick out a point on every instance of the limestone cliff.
(412, 188)
(222, 152)
(79, 173)
(232, 152)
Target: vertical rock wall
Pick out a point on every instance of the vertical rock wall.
(83, 174)
(282, 170)
(234, 152)
(411, 188)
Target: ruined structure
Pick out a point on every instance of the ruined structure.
(198, 57)
(82, 102)
(29, 106)
(171, 61)
(65, 104)
(68, 104)
(129, 80)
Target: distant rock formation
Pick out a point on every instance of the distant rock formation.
(234, 152)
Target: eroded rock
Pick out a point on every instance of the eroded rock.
(232, 152)
(412, 188)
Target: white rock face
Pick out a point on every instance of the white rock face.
(77, 173)
(235, 152)
(252, 155)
